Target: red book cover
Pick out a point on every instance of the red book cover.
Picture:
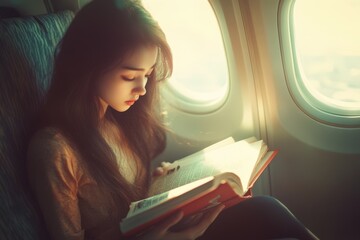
(224, 188)
(223, 194)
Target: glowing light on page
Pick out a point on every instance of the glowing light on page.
(224, 159)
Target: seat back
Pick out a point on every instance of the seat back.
(26, 57)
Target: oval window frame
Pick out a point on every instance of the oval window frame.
(317, 107)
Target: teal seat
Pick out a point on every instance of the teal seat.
(26, 56)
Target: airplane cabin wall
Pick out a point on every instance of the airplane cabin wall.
(316, 173)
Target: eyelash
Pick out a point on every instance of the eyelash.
(128, 79)
(132, 79)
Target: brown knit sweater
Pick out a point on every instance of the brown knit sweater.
(73, 205)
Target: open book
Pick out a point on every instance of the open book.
(223, 173)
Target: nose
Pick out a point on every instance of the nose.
(140, 88)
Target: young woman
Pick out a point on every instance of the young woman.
(101, 126)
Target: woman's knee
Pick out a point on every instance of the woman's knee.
(268, 207)
(266, 202)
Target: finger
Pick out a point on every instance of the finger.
(165, 164)
(171, 221)
(208, 218)
(159, 171)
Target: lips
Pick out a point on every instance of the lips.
(130, 102)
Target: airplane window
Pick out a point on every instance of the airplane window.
(326, 46)
(200, 81)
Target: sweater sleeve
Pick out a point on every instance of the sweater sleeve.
(53, 174)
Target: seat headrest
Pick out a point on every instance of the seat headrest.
(27, 49)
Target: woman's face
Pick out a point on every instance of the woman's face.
(121, 87)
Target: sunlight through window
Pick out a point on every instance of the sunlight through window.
(327, 47)
(200, 69)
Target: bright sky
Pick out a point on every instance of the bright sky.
(191, 28)
(327, 25)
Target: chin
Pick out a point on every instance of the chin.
(121, 109)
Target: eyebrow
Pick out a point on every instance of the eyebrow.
(137, 69)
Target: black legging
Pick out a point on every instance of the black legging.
(257, 218)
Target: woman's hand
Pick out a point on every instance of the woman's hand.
(163, 232)
(162, 170)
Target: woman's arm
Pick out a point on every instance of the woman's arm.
(52, 173)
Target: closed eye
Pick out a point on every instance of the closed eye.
(128, 78)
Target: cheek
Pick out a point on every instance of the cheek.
(113, 92)
(106, 89)
(103, 89)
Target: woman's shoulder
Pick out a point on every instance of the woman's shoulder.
(49, 145)
(48, 137)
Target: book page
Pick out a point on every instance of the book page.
(180, 175)
(262, 163)
(240, 158)
(175, 179)
(198, 156)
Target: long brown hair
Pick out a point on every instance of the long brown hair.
(100, 35)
